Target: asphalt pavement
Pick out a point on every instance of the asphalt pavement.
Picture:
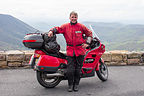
(123, 81)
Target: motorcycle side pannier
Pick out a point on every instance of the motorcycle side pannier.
(33, 41)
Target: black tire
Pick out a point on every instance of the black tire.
(102, 73)
(47, 82)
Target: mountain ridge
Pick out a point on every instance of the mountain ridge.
(123, 37)
(12, 31)
(115, 35)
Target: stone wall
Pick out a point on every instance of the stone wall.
(17, 58)
(123, 58)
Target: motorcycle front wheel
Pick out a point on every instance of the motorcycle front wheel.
(47, 82)
(102, 73)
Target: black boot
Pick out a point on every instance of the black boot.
(70, 88)
(75, 88)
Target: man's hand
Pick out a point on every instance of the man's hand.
(84, 45)
(50, 34)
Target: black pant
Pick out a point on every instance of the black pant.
(74, 69)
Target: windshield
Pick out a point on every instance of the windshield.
(94, 33)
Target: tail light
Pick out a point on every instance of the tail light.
(36, 55)
(29, 40)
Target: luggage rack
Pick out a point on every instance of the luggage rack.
(37, 32)
(33, 33)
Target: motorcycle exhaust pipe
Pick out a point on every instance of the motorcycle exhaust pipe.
(55, 75)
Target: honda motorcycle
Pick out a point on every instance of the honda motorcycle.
(50, 65)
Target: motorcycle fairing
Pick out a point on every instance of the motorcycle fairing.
(94, 54)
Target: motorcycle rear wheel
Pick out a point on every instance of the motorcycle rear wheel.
(102, 73)
(47, 82)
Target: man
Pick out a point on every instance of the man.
(76, 45)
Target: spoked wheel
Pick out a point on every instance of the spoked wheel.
(48, 82)
(102, 73)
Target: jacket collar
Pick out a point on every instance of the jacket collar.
(73, 23)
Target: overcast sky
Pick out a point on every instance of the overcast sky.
(89, 10)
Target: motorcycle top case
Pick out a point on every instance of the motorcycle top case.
(33, 41)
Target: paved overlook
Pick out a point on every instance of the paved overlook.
(123, 81)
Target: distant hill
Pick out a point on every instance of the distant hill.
(12, 31)
(115, 36)
(118, 36)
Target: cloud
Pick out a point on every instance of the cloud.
(87, 9)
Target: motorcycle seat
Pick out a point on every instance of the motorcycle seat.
(62, 55)
(57, 54)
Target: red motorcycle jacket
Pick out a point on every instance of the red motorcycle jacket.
(73, 34)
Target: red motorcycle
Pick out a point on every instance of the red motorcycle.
(51, 67)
